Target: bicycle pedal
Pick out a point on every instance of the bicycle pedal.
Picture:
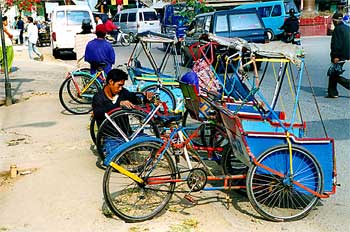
(190, 199)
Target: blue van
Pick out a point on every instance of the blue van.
(244, 23)
(273, 14)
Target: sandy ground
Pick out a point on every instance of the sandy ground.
(64, 192)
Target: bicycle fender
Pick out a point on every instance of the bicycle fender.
(143, 139)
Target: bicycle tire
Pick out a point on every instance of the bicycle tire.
(93, 129)
(231, 165)
(277, 198)
(133, 202)
(69, 97)
(125, 40)
(107, 134)
(165, 95)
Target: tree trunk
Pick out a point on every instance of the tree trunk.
(309, 6)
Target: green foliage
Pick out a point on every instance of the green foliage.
(194, 7)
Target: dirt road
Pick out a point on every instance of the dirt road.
(64, 193)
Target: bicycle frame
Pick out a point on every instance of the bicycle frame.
(93, 78)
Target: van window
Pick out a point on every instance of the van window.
(76, 17)
(132, 17)
(116, 18)
(140, 16)
(123, 18)
(60, 18)
(221, 24)
(149, 16)
(200, 24)
(244, 22)
(207, 23)
(277, 11)
(264, 11)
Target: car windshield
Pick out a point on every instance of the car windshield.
(73, 17)
(149, 16)
(245, 22)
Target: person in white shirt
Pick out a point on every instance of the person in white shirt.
(32, 39)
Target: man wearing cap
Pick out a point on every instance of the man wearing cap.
(340, 51)
(99, 51)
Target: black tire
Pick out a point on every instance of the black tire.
(55, 53)
(73, 101)
(185, 60)
(93, 129)
(133, 202)
(190, 125)
(125, 40)
(215, 136)
(233, 166)
(270, 35)
(132, 37)
(108, 136)
(278, 198)
(165, 95)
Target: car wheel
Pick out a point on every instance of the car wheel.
(132, 37)
(55, 53)
(185, 60)
(270, 35)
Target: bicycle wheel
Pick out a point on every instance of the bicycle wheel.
(93, 129)
(129, 121)
(278, 198)
(125, 40)
(214, 136)
(134, 202)
(231, 164)
(165, 95)
(71, 96)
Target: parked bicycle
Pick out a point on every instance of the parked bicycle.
(78, 88)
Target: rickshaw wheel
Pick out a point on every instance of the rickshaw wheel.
(278, 198)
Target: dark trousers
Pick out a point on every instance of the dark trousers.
(21, 36)
(334, 80)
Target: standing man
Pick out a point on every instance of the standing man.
(20, 26)
(340, 51)
(99, 51)
(32, 39)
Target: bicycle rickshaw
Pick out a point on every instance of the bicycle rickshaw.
(287, 172)
(156, 75)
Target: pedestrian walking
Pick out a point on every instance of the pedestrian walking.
(32, 39)
(20, 26)
(340, 52)
(9, 47)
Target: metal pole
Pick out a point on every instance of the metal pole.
(8, 96)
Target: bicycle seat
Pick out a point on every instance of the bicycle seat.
(168, 119)
(98, 66)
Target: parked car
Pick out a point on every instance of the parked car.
(273, 14)
(136, 20)
(65, 24)
(245, 24)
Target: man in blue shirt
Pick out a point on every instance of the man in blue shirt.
(100, 51)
